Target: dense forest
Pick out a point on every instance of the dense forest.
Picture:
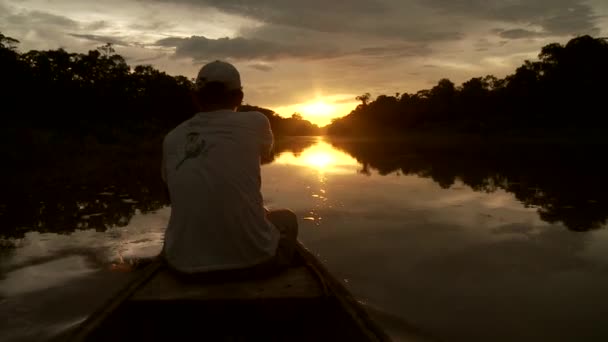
(560, 94)
(57, 97)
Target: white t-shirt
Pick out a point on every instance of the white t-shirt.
(211, 164)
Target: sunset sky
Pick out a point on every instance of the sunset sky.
(312, 56)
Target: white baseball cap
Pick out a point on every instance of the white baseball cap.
(221, 72)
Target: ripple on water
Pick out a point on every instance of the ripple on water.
(44, 275)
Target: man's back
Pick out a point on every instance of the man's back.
(212, 168)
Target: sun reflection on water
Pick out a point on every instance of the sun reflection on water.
(324, 160)
(322, 157)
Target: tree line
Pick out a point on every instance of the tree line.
(562, 92)
(57, 96)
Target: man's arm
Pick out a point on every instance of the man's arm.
(267, 139)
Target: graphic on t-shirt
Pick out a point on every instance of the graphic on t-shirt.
(194, 146)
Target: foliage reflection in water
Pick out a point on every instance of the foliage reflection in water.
(380, 213)
(562, 181)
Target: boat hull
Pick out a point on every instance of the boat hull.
(301, 303)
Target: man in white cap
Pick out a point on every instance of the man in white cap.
(211, 164)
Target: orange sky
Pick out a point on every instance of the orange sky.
(320, 110)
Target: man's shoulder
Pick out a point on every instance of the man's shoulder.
(177, 131)
(252, 114)
(255, 116)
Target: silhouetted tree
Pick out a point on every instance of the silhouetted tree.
(364, 98)
(107, 49)
(8, 42)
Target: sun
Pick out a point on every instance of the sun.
(318, 108)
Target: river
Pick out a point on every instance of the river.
(464, 243)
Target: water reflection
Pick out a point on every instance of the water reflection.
(320, 156)
(562, 182)
(457, 240)
(44, 275)
(318, 160)
(92, 192)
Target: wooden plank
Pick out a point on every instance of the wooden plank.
(295, 282)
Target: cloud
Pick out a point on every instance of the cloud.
(518, 34)
(38, 18)
(147, 59)
(576, 20)
(36, 29)
(156, 25)
(390, 19)
(555, 17)
(375, 29)
(201, 48)
(401, 50)
(101, 39)
(96, 25)
(261, 67)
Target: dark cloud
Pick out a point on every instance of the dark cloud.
(152, 26)
(324, 14)
(146, 59)
(38, 18)
(101, 39)
(518, 34)
(202, 48)
(261, 67)
(402, 50)
(575, 20)
(394, 19)
(96, 25)
(555, 17)
(428, 21)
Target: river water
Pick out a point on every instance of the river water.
(462, 243)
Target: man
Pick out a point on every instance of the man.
(211, 165)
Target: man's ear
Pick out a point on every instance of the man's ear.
(238, 98)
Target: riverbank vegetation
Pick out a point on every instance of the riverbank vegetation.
(58, 97)
(559, 96)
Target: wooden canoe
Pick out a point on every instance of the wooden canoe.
(302, 303)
